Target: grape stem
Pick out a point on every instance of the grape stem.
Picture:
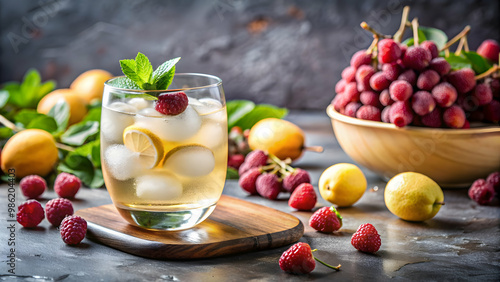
(317, 149)
(365, 26)
(493, 69)
(373, 45)
(460, 46)
(414, 25)
(398, 36)
(456, 38)
(324, 263)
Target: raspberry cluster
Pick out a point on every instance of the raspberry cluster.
(268, 176)
(482, 191)
(393, 83)
(237, 147)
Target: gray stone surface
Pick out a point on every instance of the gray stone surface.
(460, 244)
(293, 60)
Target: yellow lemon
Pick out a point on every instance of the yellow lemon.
(31, 151)
(77, 106)
(90, 84)
(342, 184)
(144, 142)
(413, 196)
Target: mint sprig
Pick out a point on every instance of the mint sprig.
(140, 75)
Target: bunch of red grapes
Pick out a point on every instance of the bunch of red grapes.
(414, 86)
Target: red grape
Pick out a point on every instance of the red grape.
(489, 49)
(391, 71)
(361, 58)
(440, 65)
(339, 102)
(454, 117)
(400, 114)
(432, 119)
(463, 80)
(466, 125)
(349, 74)
(422, 103)
(495, 87)
(431, 47)
(352, 108)
(363, 75)
(385, 115)
(477, 115)
(444, 94)
(403, 48)
(492, 111)
(417, 58)
(388, 51)
(379, 82)
(385, 98)
(351, 92)
(482, 93)
(369, 98)
(427, 80)
(340, 86)
(408, 75)
(400, 90)
(369, 113)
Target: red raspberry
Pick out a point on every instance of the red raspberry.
(268, 186)
(255, 158)
(297, 177)
(73, 229)
(326, 219)
(235, 161)
(298, 259)
(366, 239)
(32, 186)
(482, 192)
(67, 185)
(303, 198)
(494, 179)
(172, 103)
(248, 179)
(30, 213)
(57, 210)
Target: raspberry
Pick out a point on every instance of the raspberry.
(268, 186)
(32, 186)
(494, 179)
(303, 198)
(326, 219)
(255, 158)
(361, 58)
(172, 103)
(489, 49)
(298, 259)
(248, 179)
(57, 210)
(400, 114)
(73, 229)
(481, 192)
(366, 239)
(388, 51)
(30, 213)
(297, 177)
(235, 161)
(67, 185)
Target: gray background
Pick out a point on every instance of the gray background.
(293, 61)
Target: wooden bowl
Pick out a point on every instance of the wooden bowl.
(451, 157)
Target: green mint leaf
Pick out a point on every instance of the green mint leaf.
(144, 69)
(4, 98)
(60, 113)
(77, 134)
(15, 96)
(44, 89)
(43, 122)
(124, 83)
(29, 88)
(94, 114)
(129, 68)
(78, 165)
(421, 38)
(98, 180)
(479, 63)
(232, 173)
(457, 62)
(434, 34)
(164, 74)
(165, 80)
(5, 132)
(260, 112)
(148, 86)
(25, 116)
(90, 150)
(236, 110)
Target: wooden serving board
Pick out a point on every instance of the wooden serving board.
(235, 226)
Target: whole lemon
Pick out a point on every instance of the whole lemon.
(77, 106)
(413, 196)
(90, 84)
(342, 184)
(31, 151)
(278, 137)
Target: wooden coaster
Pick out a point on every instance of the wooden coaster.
(235, 226)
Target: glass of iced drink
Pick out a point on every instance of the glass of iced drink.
(165, 170)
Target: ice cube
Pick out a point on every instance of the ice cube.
(115, 118)
(157, 186)
(139, 103)
(207, 105)
(194, 102)
(211, 135)
(170, 128)
(122, 163)
(190, 160)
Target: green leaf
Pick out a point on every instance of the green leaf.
(78, 133)
(80, 166)
(98, 180)
(164, 74)
(129, 68)
(95, 155)
(421, 38)
(94, 114)
(5, 132)
(44, 89)
(457, 62)
(232, 173)
(165, 80)
(434, 34)
(4, 97)
(15, 95)
(237, 109)
(60, 113)
(43, 122)
(144, 69)
(478, 62)
(260, 112)
(124, 83)
(25, 116)
(29, 88)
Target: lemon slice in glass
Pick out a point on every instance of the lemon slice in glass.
(144, 142)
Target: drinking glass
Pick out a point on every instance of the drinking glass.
(165, 172)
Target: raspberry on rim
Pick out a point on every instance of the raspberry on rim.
(172, 103)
